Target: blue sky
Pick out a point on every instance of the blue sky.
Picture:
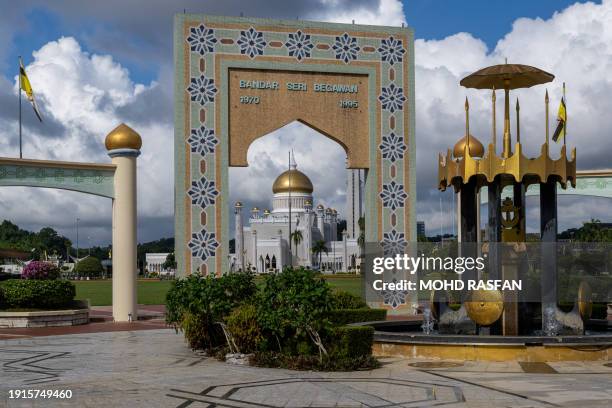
(488, 20)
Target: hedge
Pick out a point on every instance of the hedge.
(1, 298)
(352, 341)
(38, 294)
(348, 316)
(89, 266)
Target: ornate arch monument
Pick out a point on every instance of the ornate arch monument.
(238, 79)
(116, 181)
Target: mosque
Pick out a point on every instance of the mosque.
(263, 245)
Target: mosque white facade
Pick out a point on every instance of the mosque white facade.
(263, 245)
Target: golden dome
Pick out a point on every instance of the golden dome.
(299, 182)
(238, 204)
(476, 148)
(123, 137)
(485, 307)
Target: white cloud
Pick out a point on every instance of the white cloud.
(388, 12)
(84, 93)
(317, 156)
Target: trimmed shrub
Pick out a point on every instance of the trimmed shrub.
(197, 304)
(346, 300)
(40, 270)
(292, 306)
(89, 267)
(38, 294)
(200, 332)
(348, 316)
(1, 297)
(352, 341)
(274, 359)
(244, 328)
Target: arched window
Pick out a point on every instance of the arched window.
(273, 261)
(267, 261)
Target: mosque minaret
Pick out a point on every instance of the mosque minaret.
(263, 245)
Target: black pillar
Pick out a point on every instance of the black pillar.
(494, 228)
(469, 224)
(548, 236)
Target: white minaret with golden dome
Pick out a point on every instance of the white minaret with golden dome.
(123, 145)
(239, 241)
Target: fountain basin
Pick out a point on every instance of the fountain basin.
(405, 339)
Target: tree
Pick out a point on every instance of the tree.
(296, 237)
(593, 231)
(361, 238)
(318, 248)
(89, 267)
(170, 262)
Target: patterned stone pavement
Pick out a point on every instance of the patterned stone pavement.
(154, 368)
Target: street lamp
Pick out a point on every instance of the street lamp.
(77, 240)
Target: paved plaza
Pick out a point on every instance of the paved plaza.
(154, 368)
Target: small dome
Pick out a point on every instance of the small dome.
(476, 147)
(123, 137)
(266, 211)
(299, 182)
(238, 204)
(320, 207)
(255, 209)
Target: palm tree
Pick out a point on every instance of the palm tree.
(361, 238)
(296, 237)
(318, 248)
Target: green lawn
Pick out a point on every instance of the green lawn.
(99, 292)
(152, 292)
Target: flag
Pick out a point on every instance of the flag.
(561, 119)
(24, 84)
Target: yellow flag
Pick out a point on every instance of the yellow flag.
(561, 119)
(24, 84)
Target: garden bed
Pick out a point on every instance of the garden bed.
(75, 316)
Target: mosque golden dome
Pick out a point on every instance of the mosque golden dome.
(299, 182)
(123, 137)
(476, 147)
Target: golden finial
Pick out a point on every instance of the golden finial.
(467, 124)
(518, 124)
(494, 132)
(546, 104)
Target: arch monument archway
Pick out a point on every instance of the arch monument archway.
(238, 79)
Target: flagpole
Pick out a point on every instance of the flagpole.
(565, 124)
(19, 91)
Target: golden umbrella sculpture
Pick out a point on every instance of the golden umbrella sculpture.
(506, 77)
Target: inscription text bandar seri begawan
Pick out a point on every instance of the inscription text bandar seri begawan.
(261, 101)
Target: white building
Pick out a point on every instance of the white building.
(263, 245)
(154, 262)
